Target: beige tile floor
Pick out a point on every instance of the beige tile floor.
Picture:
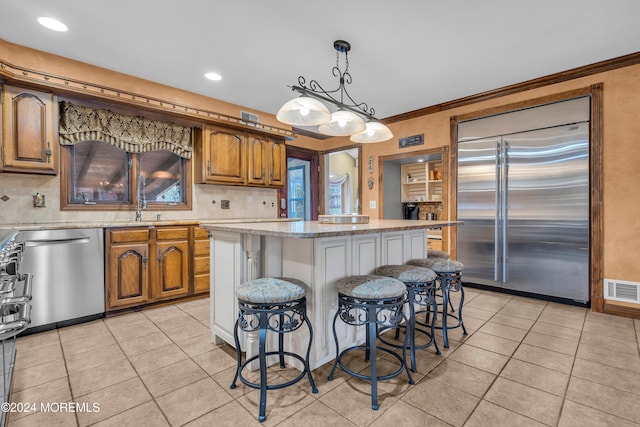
(524, 363)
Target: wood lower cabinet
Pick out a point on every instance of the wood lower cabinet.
(172, 263)
(200, 256)
(151, 264)
(30, 131)
(434, 244)
(128, 273)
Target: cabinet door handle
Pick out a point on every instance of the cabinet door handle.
(145, 259)
(208, 167)
(159, 256)
(48, 152)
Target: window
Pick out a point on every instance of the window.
(164, 177)
(97, 175)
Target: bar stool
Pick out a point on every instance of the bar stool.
(449, 276)
(278, 305)
(421, 288)
(434, 253)
(372, 301)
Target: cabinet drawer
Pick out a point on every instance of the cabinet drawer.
(201, 265)
(201, 233)
(434, 244)
(172, 233)
(201, 248)
(200, 283)
(129, 235)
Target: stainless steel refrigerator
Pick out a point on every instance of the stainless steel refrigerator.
(524, 200)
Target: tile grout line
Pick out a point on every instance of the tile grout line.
(482, 398)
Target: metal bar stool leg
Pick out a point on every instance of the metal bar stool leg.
(445, 299)
(263, 374)
(372, 332)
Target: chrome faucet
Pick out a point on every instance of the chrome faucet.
(141, 199)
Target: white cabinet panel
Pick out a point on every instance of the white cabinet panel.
(227, 273)
(366, 253)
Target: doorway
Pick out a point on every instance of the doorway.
(299, 198)
(341, 182)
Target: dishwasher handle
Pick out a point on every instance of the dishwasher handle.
(50, 242)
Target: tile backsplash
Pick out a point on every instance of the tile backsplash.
(244, 202)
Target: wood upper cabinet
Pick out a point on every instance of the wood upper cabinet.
(227, 156)
(267, 161)
(30, 131)
(277, 163)
(222, 156)
(258, 159)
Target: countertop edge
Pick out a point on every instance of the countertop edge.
(345, 229)
(119, 224)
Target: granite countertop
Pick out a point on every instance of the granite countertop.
(311, 229)
(120, 223)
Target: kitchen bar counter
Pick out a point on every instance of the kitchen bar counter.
(319, 255)
(313, 229)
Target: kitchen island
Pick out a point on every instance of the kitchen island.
(318, 254)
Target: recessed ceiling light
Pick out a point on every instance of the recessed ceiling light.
(52, 24)
(213, 76)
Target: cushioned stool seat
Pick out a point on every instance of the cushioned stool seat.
(421, 285)
(371, 301)
(434, 253)
(449, 276)
(278, 305)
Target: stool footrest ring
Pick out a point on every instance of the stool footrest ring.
(368, 377)
(248, 383)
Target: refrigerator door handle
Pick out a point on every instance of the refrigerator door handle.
(496, 228)
(505, 203)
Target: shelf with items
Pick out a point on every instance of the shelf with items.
(422, 182)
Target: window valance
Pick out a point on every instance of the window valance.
(129, 133)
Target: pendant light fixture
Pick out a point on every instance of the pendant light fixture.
(349, 116)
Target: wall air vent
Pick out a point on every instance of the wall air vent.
(249, 118)
(621, 290)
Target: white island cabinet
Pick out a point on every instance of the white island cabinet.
(319, 255)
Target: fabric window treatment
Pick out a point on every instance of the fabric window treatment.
(129, 133)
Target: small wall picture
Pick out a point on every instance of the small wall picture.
(371, 164)
(411, 141)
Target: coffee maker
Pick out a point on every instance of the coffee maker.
(410, 211)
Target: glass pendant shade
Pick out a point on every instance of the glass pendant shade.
(375, 132)
(304, 111)
(343, 123)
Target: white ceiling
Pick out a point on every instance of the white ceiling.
(406, 54)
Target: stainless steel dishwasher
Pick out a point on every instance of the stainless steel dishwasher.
(68, 275)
